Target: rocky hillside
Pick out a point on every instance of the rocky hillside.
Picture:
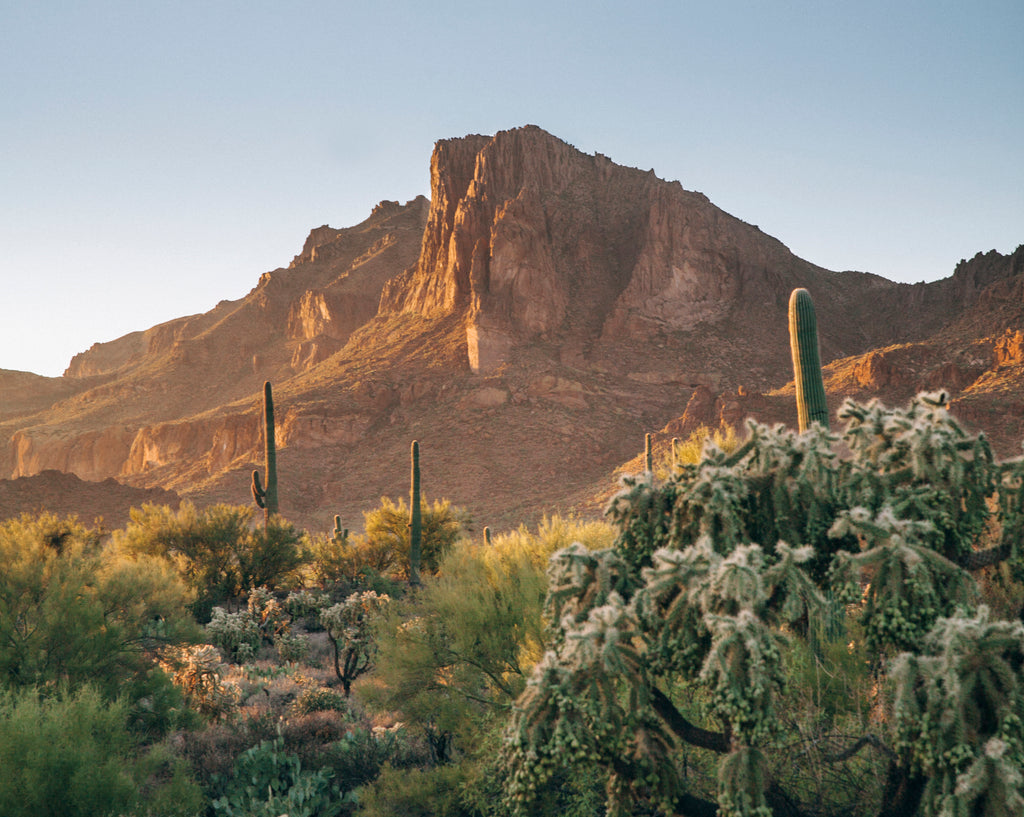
(528, 324)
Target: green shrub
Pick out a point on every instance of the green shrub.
(384, 549)
(318, 699)
(291, 647)
(72, 755)
(453, 658)
(435, 792)
(218, 550)
(73, 611)
(359, 756)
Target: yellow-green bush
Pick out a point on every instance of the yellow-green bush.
(218, 550)
(72, 610)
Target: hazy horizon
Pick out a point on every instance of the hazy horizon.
(158, 160)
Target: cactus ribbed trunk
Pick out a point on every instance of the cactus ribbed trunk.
(415, 517)
(266, 495)
(648, 453)
(803, 342)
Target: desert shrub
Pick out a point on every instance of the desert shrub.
(218, 550)
(211, 752)
(237, 634)
(464, 645)
(434, 792)
(671, 665)
(690, 450)
(267, 782)
(71, 754)
(454, 657)
(73, 611)
(308, 735)
(318, 699)
(383, 551)
(387, 528)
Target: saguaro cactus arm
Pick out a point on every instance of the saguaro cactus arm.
(803, 342)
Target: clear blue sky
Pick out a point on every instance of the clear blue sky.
(155, 158)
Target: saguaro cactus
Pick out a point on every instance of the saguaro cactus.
(340, 534)
(266, 495)
(648, 453)
(415, 517)
(803, 342)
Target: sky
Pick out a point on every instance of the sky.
(156, 158)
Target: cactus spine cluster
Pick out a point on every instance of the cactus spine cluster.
(415, 517)
(803, 342)
(266, 495)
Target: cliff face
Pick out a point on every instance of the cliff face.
(531, 239)
(541, 311)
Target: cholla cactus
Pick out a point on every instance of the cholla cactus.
(196, 670)
(719, 567)
(237, 634)
(350, 627)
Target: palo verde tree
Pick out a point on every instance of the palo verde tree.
(675, 656)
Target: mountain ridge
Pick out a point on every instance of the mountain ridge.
(544, 307)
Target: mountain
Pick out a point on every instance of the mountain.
(528, 324)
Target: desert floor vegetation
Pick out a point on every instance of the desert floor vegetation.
(764, 624)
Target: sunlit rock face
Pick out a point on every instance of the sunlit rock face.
(532, 238)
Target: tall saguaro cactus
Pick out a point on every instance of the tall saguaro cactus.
(266, 495)
(648, 453)
(803, 342)
(415, 517)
